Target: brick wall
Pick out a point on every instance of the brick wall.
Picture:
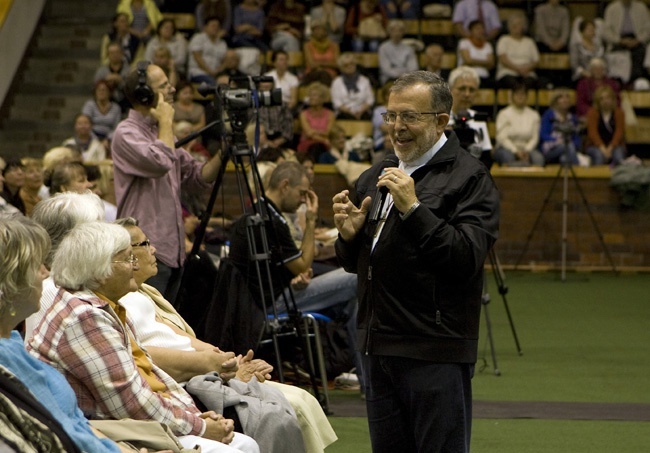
(522, 198)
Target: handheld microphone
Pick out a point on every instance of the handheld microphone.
(380, 197)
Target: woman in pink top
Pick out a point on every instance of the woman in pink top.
(316, 120)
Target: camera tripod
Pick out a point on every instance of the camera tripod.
(252, 322)
(566, 169)
(499, 277)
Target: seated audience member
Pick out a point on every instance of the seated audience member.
(587, 86)
(559, 139)
(59, 214)
(93, 268)
(288, 189)
(230, 67)
(365, 25)
(395, 56)
(132, 47)
(401, 9)
(466, 11)
(52, 420)
(221, 9)
(464, 83)
(316, 120)
(206, 52)
(199, 152)
(175, 348)
(321, 55)
(352, 94)
(627, 27)
(477, 53)
(104, 114)
(284, 79)
(13, 175)
(277, 120)
(517, 55)
(433, 55)
(105, 188)
(143, 15)
(6, 208)
(186, 109)
(94, 177)
(552, 26)
(583, 50)
(84, 140)
(167, 36)
(162, 57)
(248, 25)
(68, 177)
(30, 191)
(605, 129)
(113, 73)
(517, 132)
(285, 23)
(333, 16)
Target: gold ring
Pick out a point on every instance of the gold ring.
(394, 178)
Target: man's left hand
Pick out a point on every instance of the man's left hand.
(401, 187)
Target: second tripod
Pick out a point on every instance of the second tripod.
(499, 277)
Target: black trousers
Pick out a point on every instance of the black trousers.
(418, 406)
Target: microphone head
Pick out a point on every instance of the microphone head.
(391, 160)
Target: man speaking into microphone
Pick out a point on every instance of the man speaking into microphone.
(420, 272)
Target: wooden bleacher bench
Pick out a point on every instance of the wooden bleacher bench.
(411, 27)
(639, 99)
(554, 62)
(184, 21)
(353, 127)
(368, 60)
(639, 133)
(448, 60)
(436, 27)
(485, 97)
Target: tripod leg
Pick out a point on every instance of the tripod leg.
(593, 221)
(503, 290)
(539, 217)
(485, 302)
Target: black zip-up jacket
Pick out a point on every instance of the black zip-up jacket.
(420, 289)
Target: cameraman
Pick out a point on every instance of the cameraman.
(472, 131)
(149, 171)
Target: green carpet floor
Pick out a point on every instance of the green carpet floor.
(584, 340)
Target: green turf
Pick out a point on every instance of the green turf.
(586, 339)
(522, 436)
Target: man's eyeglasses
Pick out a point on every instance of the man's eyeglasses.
(406, 117)
(144, 243)
(132, 259)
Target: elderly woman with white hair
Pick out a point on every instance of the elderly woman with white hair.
(352, 93)
(40, 407)
(517, 54)
(86, 336)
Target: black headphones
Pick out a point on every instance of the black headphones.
(143, 92)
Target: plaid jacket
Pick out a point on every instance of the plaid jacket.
(83, 338)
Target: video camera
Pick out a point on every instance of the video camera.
(467, 135)
(240, 95)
